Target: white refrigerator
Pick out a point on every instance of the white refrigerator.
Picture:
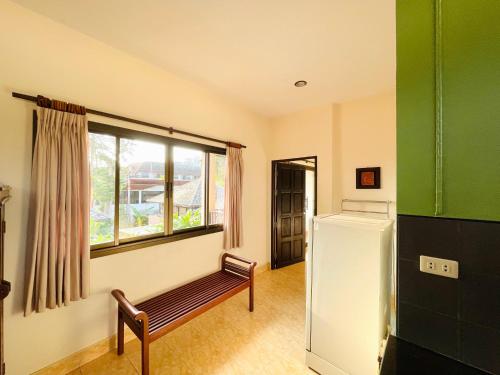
(348, 293)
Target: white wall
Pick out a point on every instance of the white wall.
(308, 133)
(39, 56)
(365, 131)
(344, 136)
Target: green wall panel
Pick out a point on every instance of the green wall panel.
(415, 107)
(448, 56)
(471, 108)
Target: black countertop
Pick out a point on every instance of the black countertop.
(404, 358)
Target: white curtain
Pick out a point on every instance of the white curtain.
(233, 230)
(58, 251)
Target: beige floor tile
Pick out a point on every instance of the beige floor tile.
(229, 339)
(109, 364)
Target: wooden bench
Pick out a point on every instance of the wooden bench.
(155, 317)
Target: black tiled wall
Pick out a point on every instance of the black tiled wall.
(457, 318)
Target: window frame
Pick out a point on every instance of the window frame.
(169, 235)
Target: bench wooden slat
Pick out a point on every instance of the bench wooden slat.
(166, 309)
(237, 269)
(200, 296)
(198, 311)
(183, 292)
(160, 315)
(152, 318)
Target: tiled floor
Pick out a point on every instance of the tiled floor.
(229, 339)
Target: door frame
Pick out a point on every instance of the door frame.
(274, 166)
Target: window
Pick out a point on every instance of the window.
(149, 189)
(217, 167)
(142, 188)
(102, 195)
(189, 194)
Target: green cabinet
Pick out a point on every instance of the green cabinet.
(448, 108)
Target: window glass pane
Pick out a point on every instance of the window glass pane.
(189, 189)
(216, 188)
(102, 177)
(142, 188)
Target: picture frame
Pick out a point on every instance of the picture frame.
(368, 178)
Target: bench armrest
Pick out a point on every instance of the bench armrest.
(228, 255)
(128, 308)
(233, 267)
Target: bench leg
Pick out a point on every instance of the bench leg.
(120, 334)
(145, 356)
(250, 297)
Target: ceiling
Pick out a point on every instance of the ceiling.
(252, 51)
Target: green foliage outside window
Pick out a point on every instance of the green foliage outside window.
(190, 219)
(141, 217)
(101, 231)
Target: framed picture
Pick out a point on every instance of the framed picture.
(368, 178)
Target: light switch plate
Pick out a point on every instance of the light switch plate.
(439, 266)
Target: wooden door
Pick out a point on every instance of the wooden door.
(290, 189)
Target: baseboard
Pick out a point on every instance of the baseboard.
(86, 355)
(319, 365)
(263, 268)
(94, 351)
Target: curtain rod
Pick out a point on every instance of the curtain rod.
(170, 129)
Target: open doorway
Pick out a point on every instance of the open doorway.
(294, 203)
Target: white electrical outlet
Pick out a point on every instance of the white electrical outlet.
(438, 266)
